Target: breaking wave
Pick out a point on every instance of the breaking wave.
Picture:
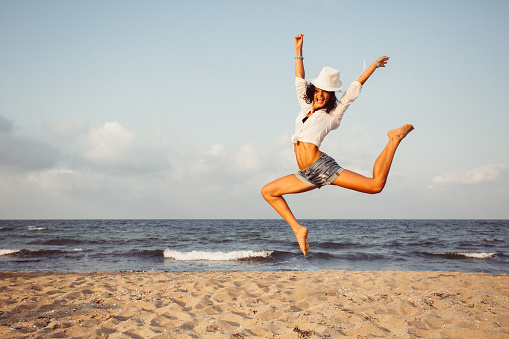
(8, 252)
(35, 228)
(464, 255)
(216, 256)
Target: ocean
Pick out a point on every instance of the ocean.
(258, 245)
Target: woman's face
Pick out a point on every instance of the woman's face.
(320, 98)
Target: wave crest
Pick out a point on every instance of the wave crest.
(7, 251)
(35, 228)
(460, 255)
(216, 256)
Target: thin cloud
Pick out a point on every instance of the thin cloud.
(482, 174)
(53, 180)
(114, 147)
(6, 125)
(248, 158)
(67, 129)
(23, 153)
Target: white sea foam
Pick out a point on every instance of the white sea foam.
(7, 251)
(476, 255)
(35, 228)
(215, 256)
(481, 255)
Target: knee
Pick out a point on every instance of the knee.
(266, 191)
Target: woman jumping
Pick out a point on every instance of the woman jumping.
(320, 113)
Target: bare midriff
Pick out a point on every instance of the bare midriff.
(306, 154)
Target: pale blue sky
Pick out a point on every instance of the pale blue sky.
(184, 109)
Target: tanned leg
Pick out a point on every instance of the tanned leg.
(357, 182)
(273, 193)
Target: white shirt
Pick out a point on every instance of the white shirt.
(320, 123)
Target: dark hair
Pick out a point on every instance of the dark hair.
(310, 94)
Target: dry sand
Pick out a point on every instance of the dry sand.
(323, 304)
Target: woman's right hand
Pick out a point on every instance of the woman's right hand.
(298, 42)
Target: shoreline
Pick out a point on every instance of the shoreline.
(243, 304)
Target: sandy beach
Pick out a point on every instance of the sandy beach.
(225, 304)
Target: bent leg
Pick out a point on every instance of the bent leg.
(360, 183)
(273, 193)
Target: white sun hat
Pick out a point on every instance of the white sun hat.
(328, 80)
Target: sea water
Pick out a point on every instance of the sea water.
(262, 245)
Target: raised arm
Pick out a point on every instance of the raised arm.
(380, 62)
(299, 62)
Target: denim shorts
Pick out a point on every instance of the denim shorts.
(322, 172)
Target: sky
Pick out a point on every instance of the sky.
(185, 109)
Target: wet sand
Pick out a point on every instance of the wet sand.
(225, 304)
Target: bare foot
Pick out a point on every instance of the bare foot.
(302, 238)
(399, 133)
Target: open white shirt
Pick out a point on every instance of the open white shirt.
(320, 123)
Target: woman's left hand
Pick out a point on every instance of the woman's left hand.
(382, 61)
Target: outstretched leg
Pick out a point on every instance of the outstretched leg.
(357, 182)
(273, 193)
